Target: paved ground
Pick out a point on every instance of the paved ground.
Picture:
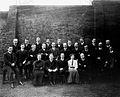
(96, 89)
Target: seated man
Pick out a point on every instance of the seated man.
(62, 66)
(10, 61)
(72, 69)
(38, 70)
(51, 67)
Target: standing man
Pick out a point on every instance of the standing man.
(65, 51)
(48, 44)
(38, 44)
(44, 52)
(81, 44)
(59, 44)
(27, 45)
(15, 46)
(10, 61)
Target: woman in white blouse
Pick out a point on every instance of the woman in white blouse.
(72, 69)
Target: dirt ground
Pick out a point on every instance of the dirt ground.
(98, 88)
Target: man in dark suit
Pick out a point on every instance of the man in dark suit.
(48, 44)
(38, 70)
(81, 44)
(27, 45)
(59, 44)
(76, 51)
(55, 51)
(70, 46)
(15, 45)
(44, 52)
(10, 61)
(51, 67)
(38, 44)
(66, 51)
(21, 55)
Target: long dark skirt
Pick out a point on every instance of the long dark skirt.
(38, 77)
(73, 76)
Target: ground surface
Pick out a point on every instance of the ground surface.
(99, 88)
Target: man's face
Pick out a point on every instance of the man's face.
(65, 45)
(33, 47)
(62, 55)
(69, 42)
(51, 56)
(107, 42)
(72, 57)
(22, 46)
(43, 46)
(15, 41)
(94, 41)
(82, 56)
(59, 41)
(81, 40)
(26, 41)
(37, 39)
(10, 49)
(53, 44)
(39, 57)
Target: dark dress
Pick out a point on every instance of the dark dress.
(38, 72)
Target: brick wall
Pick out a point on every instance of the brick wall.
(3, 29)
(55, 22)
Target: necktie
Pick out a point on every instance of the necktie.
(72, 62)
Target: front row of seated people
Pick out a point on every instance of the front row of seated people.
(51, 67)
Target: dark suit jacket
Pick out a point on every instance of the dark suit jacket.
(9, 59)
(16, 48)
(51, 65)
(44, 54)
(28, 47)
(21, 56)
(63, 64)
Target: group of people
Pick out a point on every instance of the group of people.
(73, 62)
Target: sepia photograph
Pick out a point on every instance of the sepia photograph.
(59, 48)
